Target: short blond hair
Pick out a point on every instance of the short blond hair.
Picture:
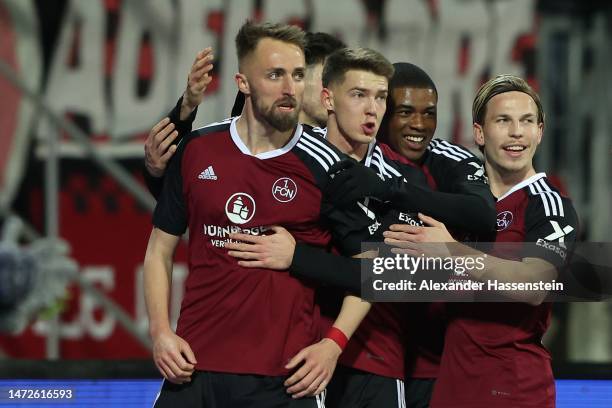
(498, 85)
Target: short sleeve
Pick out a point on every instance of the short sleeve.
(170, 214)
(551, 227)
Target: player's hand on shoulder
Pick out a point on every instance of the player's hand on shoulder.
(351, 181)
(315, 367)
(173, 357)
(159, 148)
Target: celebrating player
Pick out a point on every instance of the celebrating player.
(493, 355)
(238, 328)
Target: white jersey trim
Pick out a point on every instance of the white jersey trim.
(321, 399)
(553, 205)
(523, 184)
(223, 122)
(314, 155)
(265, 155)
(385, 166)
(317, 149)
(317, 141)
(375, 164)
(401, 399)
(449, 150)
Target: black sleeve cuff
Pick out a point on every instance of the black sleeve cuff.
(154, 184)
(182, 126)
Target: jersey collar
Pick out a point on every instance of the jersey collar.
(523, 184)
(265, 155)
(368, 157)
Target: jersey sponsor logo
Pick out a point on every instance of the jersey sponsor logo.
(208, 174)
(369, 213)
(284, 190)
(479, 174)
(240, 208)
(504, 220)
(374, 227)
(551, 247)
(409, 219)
(559, 233)
(219, 234)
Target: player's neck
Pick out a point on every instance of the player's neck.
(501, 180)
(258, 136)
(308, 120)
(347, 146)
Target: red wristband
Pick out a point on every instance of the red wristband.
(337, 336)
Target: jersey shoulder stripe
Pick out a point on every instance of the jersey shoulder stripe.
(323, 145)
(551, 199)
(319, 149)
(453, 146)
(450, 150)
(376, 165)
(388, 168)
(322, 132)
(319, 136)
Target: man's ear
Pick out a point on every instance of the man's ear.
(242, 83)
(327, 99)
(540, 132)
(478, 134)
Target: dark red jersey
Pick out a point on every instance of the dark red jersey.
(454, 173)
(235, 319)
(377, 346)
(456, 170)
(493, 355)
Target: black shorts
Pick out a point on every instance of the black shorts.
(351, 388)
(216, 390)
(418, 392)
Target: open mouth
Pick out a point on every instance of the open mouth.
(414, 139)
(514, 150)
(369, 128)
(286, 105)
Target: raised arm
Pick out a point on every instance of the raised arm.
(161, 142)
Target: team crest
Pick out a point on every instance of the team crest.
(240, 208)
(504, 220)
(284, 190)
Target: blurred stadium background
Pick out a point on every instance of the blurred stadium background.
(83, 81)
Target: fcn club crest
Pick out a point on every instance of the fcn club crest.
(504, 220)
(284, 190)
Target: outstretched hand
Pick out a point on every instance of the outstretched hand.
(197, 81)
